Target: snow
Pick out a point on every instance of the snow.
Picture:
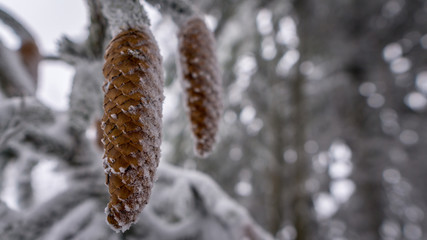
(47, 181)
(123, 225)
(95, 229)
(72, 222)
(124, 15)
(9, 191)
(325, 205)
(133, 109)
(214, 200)
(179, 10)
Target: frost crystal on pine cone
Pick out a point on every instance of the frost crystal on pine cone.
(131, 123)
(202, 82)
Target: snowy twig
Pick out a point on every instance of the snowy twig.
(97, 30)
(71, 224)
(220, 206)
(28, 109)
(56, 144)
(70, 51)
(39, 221)
(179, 10)
(37, 125)
(93, 48)
(124, 15)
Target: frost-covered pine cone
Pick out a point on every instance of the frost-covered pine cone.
(202, 82)
(131, 123)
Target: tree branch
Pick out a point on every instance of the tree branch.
(124, 15)
(16, 26)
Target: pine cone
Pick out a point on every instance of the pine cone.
(131, 123)
(201, 81)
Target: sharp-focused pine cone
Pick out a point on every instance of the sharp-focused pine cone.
(131, 123)
(202, 82)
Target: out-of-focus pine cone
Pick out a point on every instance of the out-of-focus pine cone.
(30, 56)
(131, 123)
(202, 82)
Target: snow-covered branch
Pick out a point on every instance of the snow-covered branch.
(25, 193)
(86, 95)
(179, 10)
(20, 113)
(97, 30)
(187, 204)
(124, 15)
(93, 48)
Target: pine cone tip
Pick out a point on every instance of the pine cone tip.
(115, 224)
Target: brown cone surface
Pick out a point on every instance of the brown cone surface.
(131, 123)
(202, 82)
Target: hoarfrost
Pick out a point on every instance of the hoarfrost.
(133, 109)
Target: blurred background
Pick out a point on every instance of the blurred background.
(323, 134)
